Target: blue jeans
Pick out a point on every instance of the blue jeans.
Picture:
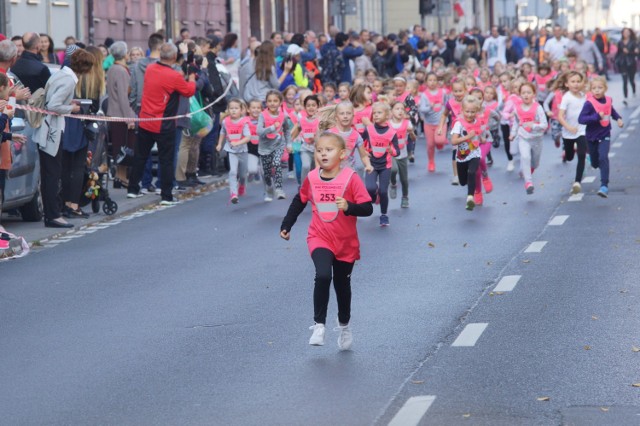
(599, 153)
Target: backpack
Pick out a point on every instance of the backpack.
(37, 100)
(332, 64)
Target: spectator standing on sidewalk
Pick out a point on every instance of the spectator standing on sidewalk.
(29, 68)
(162, 89)
(59, 99)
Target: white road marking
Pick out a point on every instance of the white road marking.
(624, 135)
(635, 113)
(558, 220)
(612, 154)
(87, 231)
(507, 283)
(631, 128)
(616, 145)
(470, 334)
(588, 179)
(576, 197)
(412, 411)
(535, 247)
(634, 121)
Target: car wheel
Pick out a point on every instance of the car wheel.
(33, 210)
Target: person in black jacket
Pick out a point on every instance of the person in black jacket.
(626, 60)
(29, 67)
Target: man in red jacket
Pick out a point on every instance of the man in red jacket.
(163, 87)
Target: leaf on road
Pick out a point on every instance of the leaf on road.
(636, 385)
(544, 398)
(587, 347)
(489, 263)
(418, 226)
(604, 409)
(432, 245)
(593, 317)
(526, 261)
(465, 245)
(635, 349)
(624, 290)
(417, 382)
(467, 415)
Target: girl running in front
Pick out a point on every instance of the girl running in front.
(465, 135)
(255, 108)
(337, 197)
(431, 109)
(361, 99)
(235, 135)
(573, 133)
(528, 131)
(597, 114)
(307, 128)
(274, 131)
(453, 108)
(339, 120)
(404, 128)
(382, 146)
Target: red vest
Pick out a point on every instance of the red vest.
(530, 77)
(527, 118)
(253, 128)
(402, 97)
(350, 140)
(308, 129)
(483, 118)
(401, 132)
(291, 113)
(325, 192)
(234, 128)
(456, 109)
(436, 100)
(270, 120)
(542, 82)
(379, 143)
(473, 143)
(491, 106)
(359, 115)
(555, 106)
(599, 107)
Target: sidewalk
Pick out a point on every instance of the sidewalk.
(35, 232)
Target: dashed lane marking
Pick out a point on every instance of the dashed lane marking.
(631, 128)
(412, 411)
(588, 179)
(507, 283)
(612, 154)
(576, 197)
(558, 220)
(616, 145)
(624, 135)
(470, 334)
(536, 247)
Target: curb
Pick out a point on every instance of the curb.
(207, 188)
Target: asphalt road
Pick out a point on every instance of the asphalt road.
(198, 314)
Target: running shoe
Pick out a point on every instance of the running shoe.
(404, 203)
(432, 167)
(384, 220)
(510, 166)
(268, 194)
(168, 203)
(317, 338)
(280, 194)
(393, 191)
(455, 181)
(470, 203)
(234, 199)
(486, 182)
(134, 194)
(150, 190)
(346, 337)
(576, 188)
(477, 198)
(529, 187)
(604, 191)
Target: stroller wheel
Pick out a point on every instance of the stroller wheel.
(95, 205)
(109, 207)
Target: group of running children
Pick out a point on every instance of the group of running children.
(349, 144)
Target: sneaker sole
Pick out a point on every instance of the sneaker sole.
(471, 205)
(530, 190)
(603, 195)
(575, 190)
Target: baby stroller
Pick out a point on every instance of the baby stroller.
(97, 173)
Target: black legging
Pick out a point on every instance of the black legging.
(628, 77)
(569, 152)
(326, 266)
(506, 129)
(467, 174)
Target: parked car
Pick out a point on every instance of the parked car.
(22, 189)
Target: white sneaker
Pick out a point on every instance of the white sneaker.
(134, 195)
(291, 175)
(510, 166)
(169, 203)
(576, 188)
(455, 181)
(393, 191)
(268, 194)
(346, 337)
(280, 194)
(317, 338)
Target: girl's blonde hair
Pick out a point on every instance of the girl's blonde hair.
(471, 100)
(243, 105)
(327, 115)
(384, 105)
(339, 140)
(600, 79)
